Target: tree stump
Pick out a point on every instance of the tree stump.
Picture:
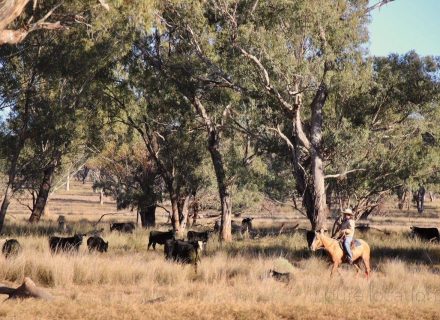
(27, 290)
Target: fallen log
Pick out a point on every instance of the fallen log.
(27, 290)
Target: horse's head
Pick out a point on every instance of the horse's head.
(317, 241)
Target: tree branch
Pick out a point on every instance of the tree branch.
(27, 290)
(299, 129)
(16, 36)
(10, 10)
(282, 136)
(377, 5)
(339, 175)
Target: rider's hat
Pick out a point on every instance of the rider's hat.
(348, 212)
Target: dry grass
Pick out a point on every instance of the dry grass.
(130, 282)
(232, 282)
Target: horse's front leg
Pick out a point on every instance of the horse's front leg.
(335, 268)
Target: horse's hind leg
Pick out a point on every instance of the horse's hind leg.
(358, 268)
(366, 261)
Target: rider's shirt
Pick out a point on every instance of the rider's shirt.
(347, 227)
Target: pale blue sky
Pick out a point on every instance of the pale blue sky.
(404, 25)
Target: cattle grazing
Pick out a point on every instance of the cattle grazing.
(126, 227)
(183, 251)
(96, 243)
(65, 244)
(430, 234)
(11, 248)
(62, 224)
(246, 224)
(199, 236)
(160, 237)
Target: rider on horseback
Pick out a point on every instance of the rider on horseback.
(347, 232)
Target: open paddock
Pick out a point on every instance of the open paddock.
(232, 282)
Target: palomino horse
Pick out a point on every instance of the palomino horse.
(360, 253)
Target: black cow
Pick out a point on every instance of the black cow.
(160, 237)
(65, 244)
(199, 236)
(429, 234)
(246, 224)
(126, 227)
(11, 248)
(183, 251)
(96, 243)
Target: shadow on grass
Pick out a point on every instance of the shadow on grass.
(426, 256)
(45, 229)
(296, 248)
(272, 251)
(29, 230)
(422, 256)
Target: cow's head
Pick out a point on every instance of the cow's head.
(78, 237)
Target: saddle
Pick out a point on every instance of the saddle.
(354, 243)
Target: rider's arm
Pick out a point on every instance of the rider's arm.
(348, 229)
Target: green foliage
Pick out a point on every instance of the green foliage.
(122, 83)
(386, 128)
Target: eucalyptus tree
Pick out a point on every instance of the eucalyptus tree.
(18, 18)
(386, 126)
(197, 72)
(281, 52)
(147, 103)
(128, 174)
(51, 80)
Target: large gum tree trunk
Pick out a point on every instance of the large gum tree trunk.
(43, 194)
(304, 186)
(320, 204)
(226, 219)
(224, 193)
(309, 171)
(183, 207)
(5, 205)
(219, 168)
(174, 211)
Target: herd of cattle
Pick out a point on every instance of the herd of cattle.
(174, 249)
